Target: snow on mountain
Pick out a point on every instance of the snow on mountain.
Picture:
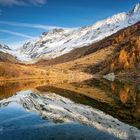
(60, 109)
(4, 48)
(60, 41)
(16, 54)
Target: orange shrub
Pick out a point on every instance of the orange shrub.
(123, 57)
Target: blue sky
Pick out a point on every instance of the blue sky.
(21, 20)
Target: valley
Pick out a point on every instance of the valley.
(118, 54)
(71, 82)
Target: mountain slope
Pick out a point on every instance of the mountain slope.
(61, 41)
(119, 53)
(5, 56)
(125, 58)
(84, 51)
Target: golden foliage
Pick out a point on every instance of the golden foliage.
(112, 66)
(123, 57)
(126, 65)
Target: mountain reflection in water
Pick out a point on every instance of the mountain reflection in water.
(36, 106)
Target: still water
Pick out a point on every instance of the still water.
(94, 109)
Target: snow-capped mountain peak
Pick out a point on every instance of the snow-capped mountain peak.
(4, 47)
(136, 9)
(57, 42)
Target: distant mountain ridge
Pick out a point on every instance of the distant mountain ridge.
(118, 54)
(61, 41)
(82, 52)
(108, 47)
(4, 47)
(5, 55)
(58, 42)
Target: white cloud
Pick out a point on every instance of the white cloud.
(17, 34)
(37, 26)
(11, 2)
(37, 1)
(22, 2)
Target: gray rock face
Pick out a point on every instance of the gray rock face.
(5, 57)
(4, 47)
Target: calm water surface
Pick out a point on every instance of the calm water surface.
(36, 111)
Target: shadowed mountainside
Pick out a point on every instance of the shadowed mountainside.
(119, 53)
(125, 59)
(114, 39)
(5, 57)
